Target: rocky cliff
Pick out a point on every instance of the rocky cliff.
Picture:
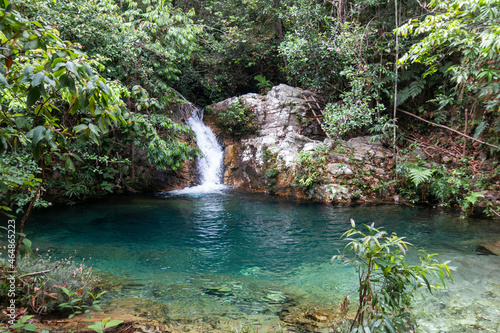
(291, 155)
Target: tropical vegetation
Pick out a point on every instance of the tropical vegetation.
(85, 86)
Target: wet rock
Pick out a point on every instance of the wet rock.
(222, 290)
(275, 297)
(490, 248)
(320, 320)
(316, 316)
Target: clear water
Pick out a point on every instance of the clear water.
(237, 255)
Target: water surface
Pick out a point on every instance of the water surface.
(231, 254)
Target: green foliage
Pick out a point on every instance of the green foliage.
(238, 41)
(387, 284)
(74, 303)
(382, 130)
(310, 171)
(271, 168)
(468, 32)
(140, 43)
(101, 326)
(57, 109)
(436, 183)
(21, 325)
(263, 84)
(315, 57)
(355, 110)
(238, 119)
(50, 95)
(50, 284)
(419, 174)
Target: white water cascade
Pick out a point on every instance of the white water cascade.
(210, 163)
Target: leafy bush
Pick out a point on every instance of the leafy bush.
(238, 120)
(310, 171)
(271, 168)
(387, 284)
(355, 111)
(436, 183)
(263, 84)
(47, 284)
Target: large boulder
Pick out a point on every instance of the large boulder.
(289, 125)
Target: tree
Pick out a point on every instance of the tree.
(239, 41)
(141, 43)
(387, 284)
(57, 111)
(44, 84)
(462, 38)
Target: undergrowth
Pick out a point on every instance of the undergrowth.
(44, 285)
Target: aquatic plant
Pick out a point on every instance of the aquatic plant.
(387, 284)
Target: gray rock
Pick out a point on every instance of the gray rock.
(282, 115)
(339, 169)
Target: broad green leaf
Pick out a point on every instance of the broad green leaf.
(80, 127)
(33, 96)
(38, 134)
(50, 81)
(4, 82)
(72, 68)
(69, 164)
(112, 323)
(94, 129)
(37, 79)
(104, 88)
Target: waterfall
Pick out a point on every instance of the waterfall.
(210, 163)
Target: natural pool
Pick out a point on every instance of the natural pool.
(245, 257)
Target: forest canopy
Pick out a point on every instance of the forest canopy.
(88, 81)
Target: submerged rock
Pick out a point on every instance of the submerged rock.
(490, 248)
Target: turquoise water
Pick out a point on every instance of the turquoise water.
(238, 255)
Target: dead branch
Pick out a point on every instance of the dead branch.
(449, 129)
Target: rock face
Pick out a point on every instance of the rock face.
(275, 160)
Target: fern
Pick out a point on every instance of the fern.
(419, 175)
(416, 87)
(440, 116)
(263, 82)
(413, 90)
(480, 128)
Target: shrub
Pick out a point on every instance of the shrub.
(310, 171)
(238, 119)
(387, 284)
(44, 283)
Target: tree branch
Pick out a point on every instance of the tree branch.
(449, 129)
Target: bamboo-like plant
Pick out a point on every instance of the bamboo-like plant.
(387, 284)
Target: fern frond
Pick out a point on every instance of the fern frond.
(440, 116)
(416, 87)
(480, 128)
(403, 95)
(419, 175)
